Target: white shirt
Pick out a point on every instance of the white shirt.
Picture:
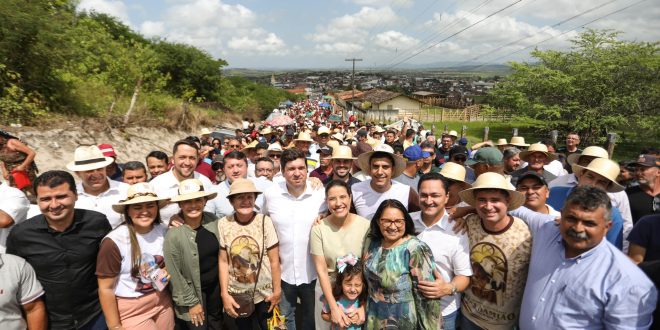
(16, 205)
(618, 199)
(361, 176)
(167, 185)
(221, 206)
(366, 200)
(293, 218)
(451, 252)
(103, 202)
(555, 167)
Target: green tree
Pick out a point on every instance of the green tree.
(601, 84)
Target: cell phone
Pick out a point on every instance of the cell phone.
(159, 279)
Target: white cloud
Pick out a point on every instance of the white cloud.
(394, 40)
(152, 29)
(383, 3)
(115, 8)
(339, 48)
(260, 42)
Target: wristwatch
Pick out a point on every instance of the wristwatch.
(453, 289)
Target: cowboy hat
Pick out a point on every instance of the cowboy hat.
(242, 186)
(455, 172)
(364, 160)
(501, 142)
(191, 189)
(492, 180)
(604, 167)
(333, 144)
(379, 129)
(205, 131)
(266, 131)
(323, 130)
(139, 193)
(518, 141)
(303, 136)
(342, 152)
(337, 136)
(87, 158)
(251, 145)
(537, 147)
(274, 148)
(592, 151)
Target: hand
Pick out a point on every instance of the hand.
(273, 299)
(338, 317)
(460, 225)
(357, 316)
(230, 304)
(19, 168)
(176, 221)
(434, 289)
(196, 315)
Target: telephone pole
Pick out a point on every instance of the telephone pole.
(343, 114)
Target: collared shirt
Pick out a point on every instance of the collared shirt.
(16, 205)
(167, 185)
(221, 206)
(293, 218)
(451, 252)
(65, 263)
(103, 202)
(366, 200)
(599, 289)
(18, 286)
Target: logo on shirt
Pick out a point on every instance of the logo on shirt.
(489, 266)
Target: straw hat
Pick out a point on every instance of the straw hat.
(342, 152)
(267, 130)
(379, 129)
(333, 144)
(352, 124)
(337, 136)
(518, 141)
(452, 133)
(348, 136)
(323, 130)
(455, 172)
(303, 136)
(205, 131)
(274, 148)
(191, 189)
(592, 151)
(538, 147)
(364, 160)
(492, 180)
(242, 186)
(139, 193)
(501, 142)
(252, 145)
(605, 167)
(87, 158)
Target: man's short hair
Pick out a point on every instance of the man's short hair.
(184, 142)
(264, 159)
(389, 131)
(159, 155)
(135, 165)
(434, 176)
(409, 133)
(510, 152)
(193, 139)
(589, 198)
(290, 155)
(235, 154)
(52, 179)
(427, 145)
(397, 148)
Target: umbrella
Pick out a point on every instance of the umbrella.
(325, 105)
(282, 121)
(399, 124)
(288, 102)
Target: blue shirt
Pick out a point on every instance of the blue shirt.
(599, 289)
(614, 235)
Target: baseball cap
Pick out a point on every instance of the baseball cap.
(324, 150)
(218, 162)
(531, 174)
(487, 155)
(463, 141)
(107, 150)
(361, 133)
(289, 132)
(644, 160)
(414, 153)
(458, 150)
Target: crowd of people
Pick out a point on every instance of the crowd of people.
(333, 225)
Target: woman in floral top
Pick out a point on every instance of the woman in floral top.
(393, 265)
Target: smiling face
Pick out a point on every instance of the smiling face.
(491, 206)
(536, 193)
(193, 208)
(295, 173)
(537, 160)
(392, 224)
(432, 198)
(381, 173)
(156, 166)
(243, 203)
(339, 201)
(582, 229)
(352, 286)
(142, 215)
(185, 161)
(446, 142)
(341, 167)
(303, 146)
(57, 203)
(93, 180)
(589, 178)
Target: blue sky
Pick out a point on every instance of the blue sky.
(384, 33)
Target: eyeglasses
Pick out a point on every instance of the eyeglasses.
(396, 222)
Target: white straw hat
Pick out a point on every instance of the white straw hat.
(191, 189)
(593, 151)
(492, 180)
(139, 193)
(501, 142)
(303, 136)
(455, 172)
(87, 158)
(205, 131)
(518, 141)
(364, 160)
(342, 152)
(605, 167)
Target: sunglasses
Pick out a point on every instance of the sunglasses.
(459, 158)
(275, 156)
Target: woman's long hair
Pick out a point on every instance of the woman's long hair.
(374, 231)
(136, 252)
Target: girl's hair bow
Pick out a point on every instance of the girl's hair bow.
(348, 259)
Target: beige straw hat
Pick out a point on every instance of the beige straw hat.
(251, 145)
(323, 130)
(274, 148)
(205, 131)
(364, 160)
(267, 130)
(303, 136)
(139, 193)
(191, 189)
(455, 172)
(501, 142)
(593, 151)
(518, 141)
(492, 180)
(242, 186)
(605, 167)
(537, 147)
(333, 144)
(452, 133)
(337, 136)
(379, 129)
(87, 158)
(342, 152)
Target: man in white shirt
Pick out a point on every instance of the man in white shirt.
(96, 191)
(450, 250)
(185, 156)
(293, 206)
(14, 207)
(383, 166)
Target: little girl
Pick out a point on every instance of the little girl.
(348, 291)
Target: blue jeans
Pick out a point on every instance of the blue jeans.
(290, 295)
(450, 320)
(97, 323)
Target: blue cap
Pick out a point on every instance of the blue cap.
(463, 141)
(414, 153)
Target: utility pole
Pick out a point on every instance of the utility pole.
(343, 114)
